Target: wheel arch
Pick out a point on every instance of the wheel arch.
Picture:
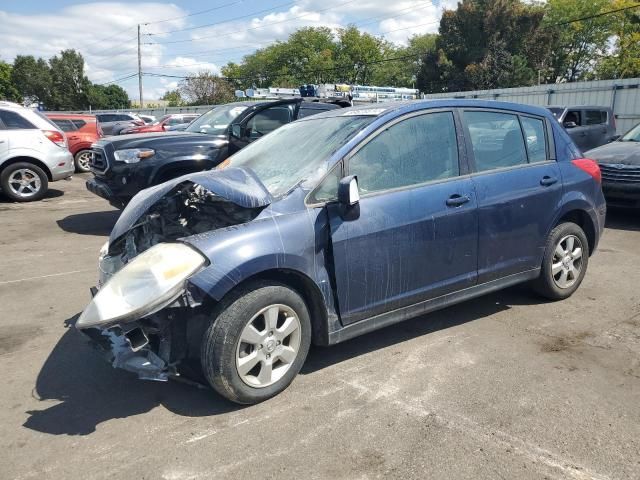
(306, 288)
(581, 218)
(26, 159)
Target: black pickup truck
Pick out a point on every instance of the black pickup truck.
(124, 165)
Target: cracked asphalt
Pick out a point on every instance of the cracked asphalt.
(504, 386)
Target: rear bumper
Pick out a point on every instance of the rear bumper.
(61, 165)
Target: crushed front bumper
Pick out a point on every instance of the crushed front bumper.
(142, 349)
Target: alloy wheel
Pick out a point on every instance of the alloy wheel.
(83, 161)
(567, 261)
(25, 183)
(268, 346)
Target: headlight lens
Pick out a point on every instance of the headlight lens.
(147, 283)
(133, 155)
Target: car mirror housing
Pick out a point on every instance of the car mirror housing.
(236, 130)
(569, 124)
(348, 194)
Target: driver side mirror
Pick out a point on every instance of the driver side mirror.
(236, 130)
(348, 194)
(569, 124)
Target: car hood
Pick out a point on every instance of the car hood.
(239, 186)
(159, 140)
(624, 153)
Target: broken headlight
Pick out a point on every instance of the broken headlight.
(148, 283)
(133, 155)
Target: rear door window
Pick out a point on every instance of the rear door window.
(79, 123)
(595, 117)
(534, 134)
(496, 139)
(65, 125)
(14, 121)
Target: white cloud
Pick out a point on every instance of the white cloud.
(105, 33)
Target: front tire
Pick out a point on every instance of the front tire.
(257, 343)
(24, 182)
(82, 159)
(565, 262)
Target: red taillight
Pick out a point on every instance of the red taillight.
(589, 166)
(56, 137)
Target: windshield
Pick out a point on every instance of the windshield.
(298, 152)
(632, 135)
(216, 121)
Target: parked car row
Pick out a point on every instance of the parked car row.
(325, 228)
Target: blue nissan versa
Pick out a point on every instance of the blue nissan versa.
(336, 225)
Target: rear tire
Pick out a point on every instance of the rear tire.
(24, 182)
(565, 261)
(257, 343)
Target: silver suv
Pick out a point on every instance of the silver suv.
(589, 127)
(33, 152)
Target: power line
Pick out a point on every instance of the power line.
(602, 14)
(266, 10)
(193, 14)
(118, 80)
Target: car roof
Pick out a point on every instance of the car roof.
(593, 107)
(393, 109)
(71, 116)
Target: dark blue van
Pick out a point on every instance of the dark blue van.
(336, 225)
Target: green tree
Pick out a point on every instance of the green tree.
(107, 97)
(70, 87)
(357, 53)
(576, 46)
(624, 60)
(206, 88)
(8, 90)
(32, 78)
(486, 44)
(173, 98)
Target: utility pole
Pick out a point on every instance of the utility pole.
(140, 68)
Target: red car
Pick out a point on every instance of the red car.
(164, 124)
(81, 131)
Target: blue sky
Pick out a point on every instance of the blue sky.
(184, 37)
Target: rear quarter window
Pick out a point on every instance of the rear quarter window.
(65, 125)
(79, 123)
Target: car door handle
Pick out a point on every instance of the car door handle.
(547, 181)
(457, 200)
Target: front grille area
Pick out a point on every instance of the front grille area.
(99, 162)
(622, 174)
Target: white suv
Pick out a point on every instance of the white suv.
(33, 152)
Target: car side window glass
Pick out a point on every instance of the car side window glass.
(595, 117)
(79, 123)
(534, 133)
(308, 111)
(574, 116)
(496, 139)
(13, 121)
(65, 125)
(267, 121)
(416, 150)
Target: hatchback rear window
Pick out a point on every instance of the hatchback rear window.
(65, 125)
(14, 121)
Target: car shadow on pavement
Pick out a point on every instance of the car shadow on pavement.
(51, 193)
(90, 391)
(623, 219)
(469, 311)
(95, 223)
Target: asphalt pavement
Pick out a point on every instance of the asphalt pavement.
(504, 386)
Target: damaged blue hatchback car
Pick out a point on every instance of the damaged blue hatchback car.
(337, 225)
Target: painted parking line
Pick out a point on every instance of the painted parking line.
(45, 276)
